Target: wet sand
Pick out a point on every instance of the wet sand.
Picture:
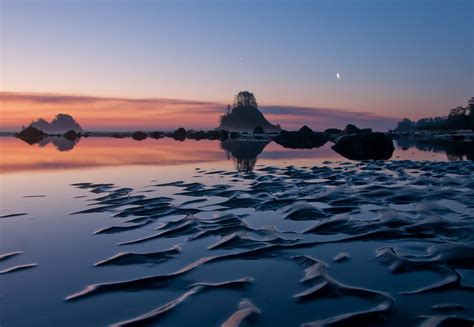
(347, 243)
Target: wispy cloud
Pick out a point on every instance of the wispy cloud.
(323, 118)
(113, 113)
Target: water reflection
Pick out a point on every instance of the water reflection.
(454, 151)
(244, 153)
(57, 153)
(60, 143)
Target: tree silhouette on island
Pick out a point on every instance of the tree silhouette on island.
(245, 116)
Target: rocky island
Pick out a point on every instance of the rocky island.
(60, 124)
(245, 116)
(63, 125)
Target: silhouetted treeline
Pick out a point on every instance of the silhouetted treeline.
(459, 118)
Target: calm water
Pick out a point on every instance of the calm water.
(114, 231)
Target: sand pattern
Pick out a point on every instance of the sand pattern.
(427, 205)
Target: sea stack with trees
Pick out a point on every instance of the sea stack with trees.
(245, 116)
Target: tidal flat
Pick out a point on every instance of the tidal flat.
(335, 242)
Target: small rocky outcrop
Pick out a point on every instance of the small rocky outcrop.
(156, 135)
(71, 135)
(234, 135)
(304, 138)
(198, 135)
(353, 129)
(334, 131)
(139, 135)
(31, 135)
(365, 146)
(258, 130)
(179, 134)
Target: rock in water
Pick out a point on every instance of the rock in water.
(71, 135)
(376, 146)
(305, 138)
(139, 136)
(157, 135)
(351, 129)
(31, 135)
(179, 134)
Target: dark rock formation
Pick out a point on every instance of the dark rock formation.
(334, 131)
(351, 129)
(245, 116)
(365, 146)
(62, 123)
(234, 135)
(71, 135)
(224, 135)
(31, 135)
(156, 135)
(305, 138)
(258, 130)
(179, 134)
(246, 119)
(198, 135)
(139, 136)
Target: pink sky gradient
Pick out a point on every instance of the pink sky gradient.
(125, 114)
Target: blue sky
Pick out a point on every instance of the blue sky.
(397, 58)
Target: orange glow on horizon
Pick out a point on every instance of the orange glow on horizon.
(125, 114)
(94, 113)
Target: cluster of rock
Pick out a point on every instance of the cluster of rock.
(182, 134)
(32, 135)
(304, 138)
(62, 125)
(352, 142)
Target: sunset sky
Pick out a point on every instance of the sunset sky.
(127, 65)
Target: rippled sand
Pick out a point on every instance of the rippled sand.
(348, 244)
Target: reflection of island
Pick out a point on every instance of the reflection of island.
(244, 152)
(60, 143)
(454, 150)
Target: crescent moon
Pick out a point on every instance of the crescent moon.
(338, 75)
